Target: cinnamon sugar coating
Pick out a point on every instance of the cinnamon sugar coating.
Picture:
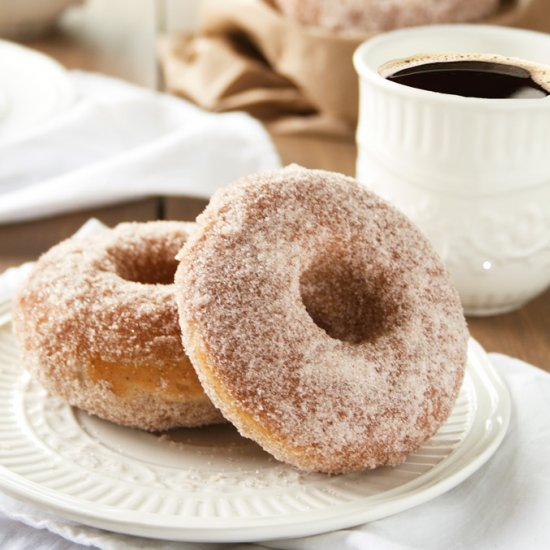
(368, 16)
(320, 320)
(96, 323)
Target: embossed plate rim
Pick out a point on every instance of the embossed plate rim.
(474, 450)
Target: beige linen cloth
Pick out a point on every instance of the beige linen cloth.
(298, 80)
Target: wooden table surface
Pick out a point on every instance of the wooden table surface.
(118, 39)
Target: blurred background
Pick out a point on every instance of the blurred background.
(116, 38)
(297, 79)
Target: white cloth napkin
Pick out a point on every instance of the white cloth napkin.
(503, 506)
(119, 142)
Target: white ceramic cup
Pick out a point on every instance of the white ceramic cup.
(473, 173)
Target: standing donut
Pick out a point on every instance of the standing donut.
(96, 323)
(320, 321)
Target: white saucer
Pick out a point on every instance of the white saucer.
(33, 90)
(212, 485)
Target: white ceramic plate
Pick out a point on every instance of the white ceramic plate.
(212, 485)
(33, 89)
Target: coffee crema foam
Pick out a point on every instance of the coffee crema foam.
(487, 76)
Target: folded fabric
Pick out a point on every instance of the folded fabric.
(502, 506)
(298, 80)
(119, 142)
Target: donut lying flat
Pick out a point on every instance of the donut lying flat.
(320, 321)
(383, 15)
(96, 323)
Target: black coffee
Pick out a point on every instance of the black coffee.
(471, 78)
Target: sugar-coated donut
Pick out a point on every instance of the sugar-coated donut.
(96, 323)
(383, 15)
(320, 320)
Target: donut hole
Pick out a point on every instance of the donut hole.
(347, 303)
(154, 263)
